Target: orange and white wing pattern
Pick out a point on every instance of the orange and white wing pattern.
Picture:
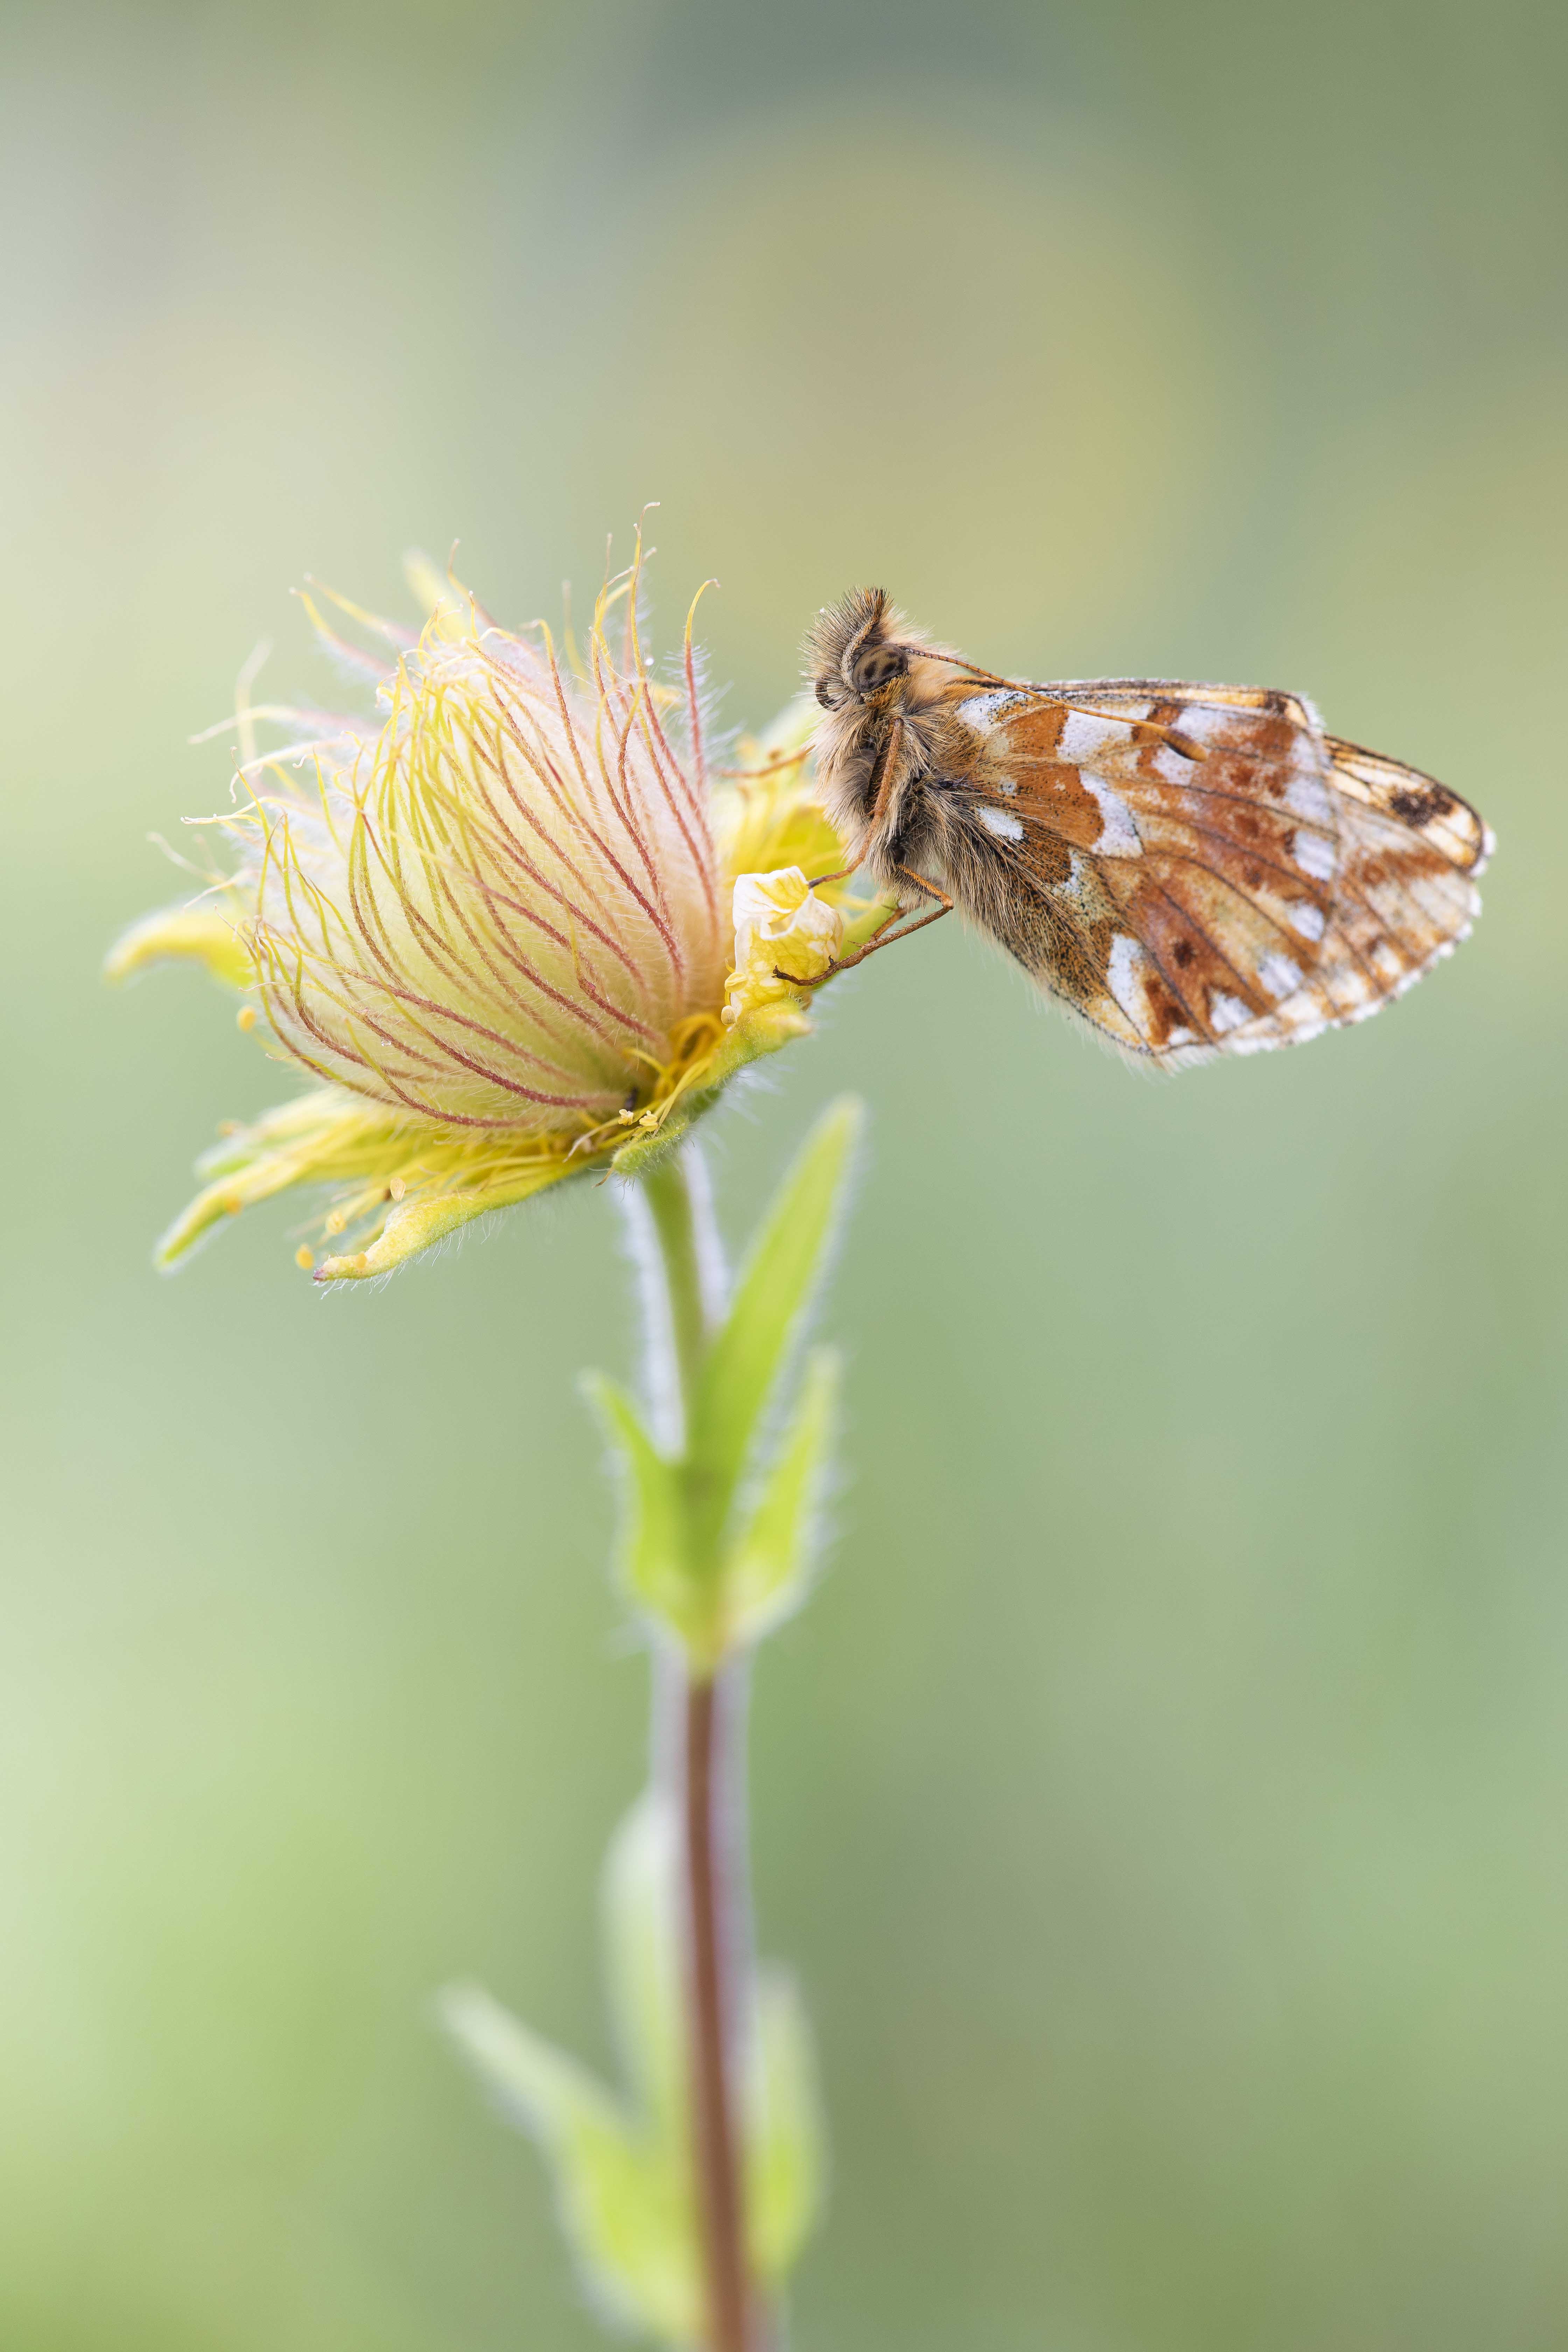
(1207, 871)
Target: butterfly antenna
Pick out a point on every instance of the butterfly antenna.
(957, 661)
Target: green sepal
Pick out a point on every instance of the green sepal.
(770, 1302)
(762, 1030)
(655, 1540)
(768, 1570)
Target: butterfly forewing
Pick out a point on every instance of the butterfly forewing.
(1206, 870)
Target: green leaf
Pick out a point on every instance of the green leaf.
(656, 1550)
(621, 2203)
(785, 2152)
(639, 1899)
(767, 1573)
(770, 1302)
(781, 2113)
(622, 2168)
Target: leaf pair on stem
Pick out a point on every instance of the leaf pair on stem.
(719, 1543)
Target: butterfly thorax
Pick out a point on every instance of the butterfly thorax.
(889, 738)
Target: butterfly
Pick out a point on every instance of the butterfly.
(1191, 869)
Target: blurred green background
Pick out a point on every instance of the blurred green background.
(1164, 1798)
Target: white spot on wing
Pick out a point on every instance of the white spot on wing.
(1117, 833)
(1308, 796)
(984, 710)
(1171, 767)
(1314, 853)
(1003, 824)
(1201, 722)
(1279, 976)
(1308, 919)
(1227, 1012)
(1082, 736)
(1122, 976)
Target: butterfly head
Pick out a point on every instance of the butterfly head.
(858, 649)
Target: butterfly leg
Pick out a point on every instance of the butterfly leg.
(885, 771)
(887, 938)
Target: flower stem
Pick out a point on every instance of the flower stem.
(721, 2196)
(711, 1813)
(687, 1252)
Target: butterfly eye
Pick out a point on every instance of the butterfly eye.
(877, 664)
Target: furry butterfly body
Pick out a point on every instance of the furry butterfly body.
(1191, 869)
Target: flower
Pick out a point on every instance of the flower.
(783, 934)
(510, 926)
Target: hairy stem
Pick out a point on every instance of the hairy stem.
(677, 1202)
(712, 1809)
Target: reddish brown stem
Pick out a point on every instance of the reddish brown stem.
(731, 2323)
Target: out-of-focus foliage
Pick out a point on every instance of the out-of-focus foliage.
(1161, 1797)
(621, 2167)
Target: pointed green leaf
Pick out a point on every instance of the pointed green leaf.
(642, 1959)
(786, 2154)
(655, 1542)
(771, 1301)
(767, 1574)
(621, 2206)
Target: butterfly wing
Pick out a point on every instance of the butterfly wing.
(1200, 869)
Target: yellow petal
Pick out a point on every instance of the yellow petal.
(412, 1225)
(321, 1137)
(198, 934)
